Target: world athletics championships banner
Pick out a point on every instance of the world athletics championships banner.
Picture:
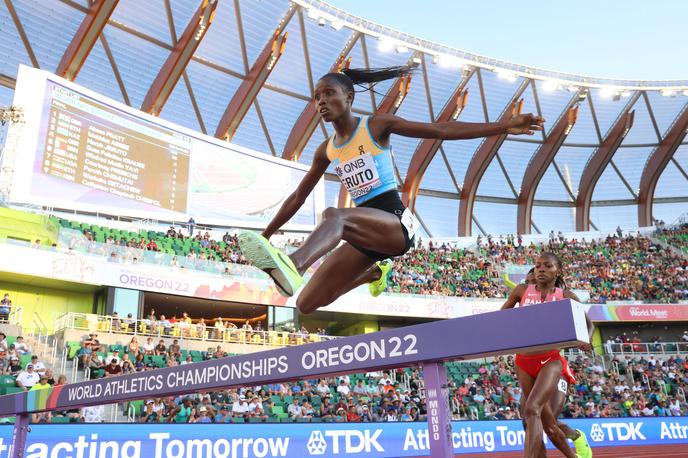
(645, 312)
(376, 440)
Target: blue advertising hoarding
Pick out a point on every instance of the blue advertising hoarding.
(318, 439)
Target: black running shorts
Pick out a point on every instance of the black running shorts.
(391, 203)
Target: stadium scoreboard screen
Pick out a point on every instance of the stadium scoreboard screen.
(98, 147)
(79, 150)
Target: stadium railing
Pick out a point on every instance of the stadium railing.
(646, 348)
(147, 328)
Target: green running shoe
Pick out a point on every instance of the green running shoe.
(377, 287)
(272, 261)
(582, 447)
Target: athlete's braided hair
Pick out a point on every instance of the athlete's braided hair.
(351, 77)
(560, 282)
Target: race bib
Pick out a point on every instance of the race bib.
(410, 222)
(563, 386)
(359, 175)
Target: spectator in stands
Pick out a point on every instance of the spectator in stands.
(183, 412)
(175, 351)
(15, 367)
(247, 328)
(240, 407)
(171, 232)
(113, 368)
(295, 410)
(149, 414)
(4, 362)
(27, 378)
(219, 328)
(38, 366)
(343, 389)
(3, 342)
(5, 307)
(133, 348)
(160, 349)
(166, 325)
(21, 347)
(84, 353)
(200, 329)
(93, 414)
(149, 347)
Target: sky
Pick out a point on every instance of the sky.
(624, 39)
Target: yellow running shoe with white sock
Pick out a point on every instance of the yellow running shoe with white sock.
(583, 449)
(378, 286)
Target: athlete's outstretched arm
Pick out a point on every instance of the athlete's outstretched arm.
(455, 130)
(296, 199)
(515, 297)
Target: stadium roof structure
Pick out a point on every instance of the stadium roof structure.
(613, 153)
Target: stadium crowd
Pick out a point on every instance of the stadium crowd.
(676, 237)
(631, 385)
(642, 387)
(615, 268)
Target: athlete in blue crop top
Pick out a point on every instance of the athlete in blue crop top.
(379, 227)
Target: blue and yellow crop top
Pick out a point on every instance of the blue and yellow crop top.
(364, 167)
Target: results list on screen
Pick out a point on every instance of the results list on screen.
(98, 146)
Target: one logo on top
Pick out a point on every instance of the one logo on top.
(316, 444)
(596, 433)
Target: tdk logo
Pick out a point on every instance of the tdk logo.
(616, 432)
(344, 441)
(316, 444)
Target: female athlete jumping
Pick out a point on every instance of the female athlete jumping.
(540, 375)
(380, 226)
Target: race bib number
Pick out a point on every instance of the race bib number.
(359, 175)
(563, 386)
(410, 222)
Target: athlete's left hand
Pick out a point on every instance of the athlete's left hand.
(525, 124)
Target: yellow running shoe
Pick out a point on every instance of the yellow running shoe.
(272, 261)
(582, 447)
(378, 286)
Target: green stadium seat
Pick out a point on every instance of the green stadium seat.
(303, 420)
(286, 420)
(238, 420)
(255, 420)
(58, 420)
(13, 389)
(277, 410)
(7, 380)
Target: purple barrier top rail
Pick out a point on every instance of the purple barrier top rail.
(533, 328)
